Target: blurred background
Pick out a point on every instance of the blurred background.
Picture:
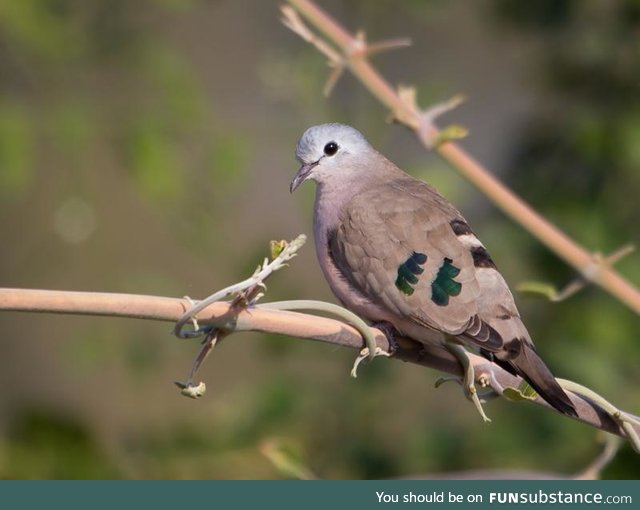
(147, 147)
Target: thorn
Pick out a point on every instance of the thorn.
(391, 44)
(452, 132)
(336, 72)
(592, 271)
(439, 109)
(409, 115)
(576, 285)
(361, 49)
(292, 20)
(620, 253)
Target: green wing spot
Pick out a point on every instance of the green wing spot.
(418, 258)
(409, 271)
(444, 284)
(439, 296)
(452, 287)
(405, 273)
(448, 270)
(403, 286)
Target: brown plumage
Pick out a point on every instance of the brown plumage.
(394, 250)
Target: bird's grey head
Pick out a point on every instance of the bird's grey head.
(328, 151)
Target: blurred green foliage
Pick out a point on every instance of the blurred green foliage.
(44, 445)
(146, 147)
(16, 149)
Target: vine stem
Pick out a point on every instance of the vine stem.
(227, 317)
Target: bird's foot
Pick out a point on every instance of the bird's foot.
(468, 378)
(198, 332)
(364, 354)
(390, 333)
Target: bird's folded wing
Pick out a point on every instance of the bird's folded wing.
(397, 245)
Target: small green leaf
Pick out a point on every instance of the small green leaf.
(276, 247)
(450, 133)
(539, 288)
(522, 392)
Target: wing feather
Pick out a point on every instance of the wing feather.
(382, 228)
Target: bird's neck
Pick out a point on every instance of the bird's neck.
(333, 195)
(328, 203)
(331, 199)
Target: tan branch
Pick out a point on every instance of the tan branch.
(590, 266)
(261, 318)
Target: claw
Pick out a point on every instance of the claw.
(390, 333)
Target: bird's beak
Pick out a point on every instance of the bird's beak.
(302, 175)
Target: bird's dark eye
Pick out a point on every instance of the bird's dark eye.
(331, 148)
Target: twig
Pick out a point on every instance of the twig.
(260, 318)
(590, 266)
(257, 279)
(550, 292)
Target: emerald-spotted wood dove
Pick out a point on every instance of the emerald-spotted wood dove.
(393, 250)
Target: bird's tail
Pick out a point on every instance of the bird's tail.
(528, 365)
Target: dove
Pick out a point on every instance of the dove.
(398, 254)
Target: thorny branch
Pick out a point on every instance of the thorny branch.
(347, 51)
(221, 318)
